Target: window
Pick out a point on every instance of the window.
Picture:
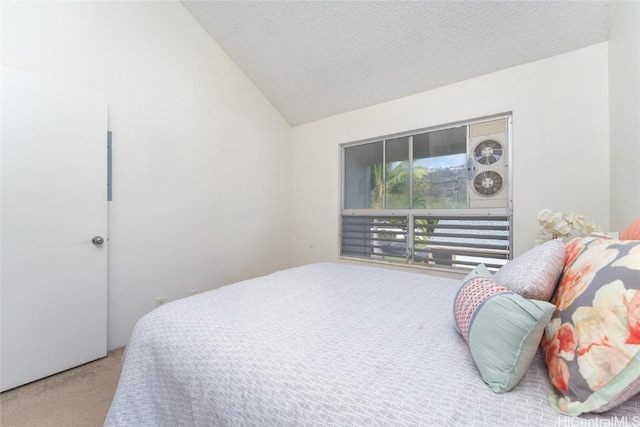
(435, 197)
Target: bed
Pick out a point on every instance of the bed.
(322, 345)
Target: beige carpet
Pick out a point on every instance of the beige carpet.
(79, 397)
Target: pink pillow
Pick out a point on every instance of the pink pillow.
(631, 231)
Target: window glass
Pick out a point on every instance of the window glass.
(397, 173)
(439, 169)
(363, 184)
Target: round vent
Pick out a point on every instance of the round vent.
(487, 152)
(488, 183)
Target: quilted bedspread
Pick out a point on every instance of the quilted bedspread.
(322, 345)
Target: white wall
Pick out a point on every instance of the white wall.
(560, 144)
(624, 101)
(202, 161)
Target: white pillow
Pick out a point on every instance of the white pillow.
(535, 273)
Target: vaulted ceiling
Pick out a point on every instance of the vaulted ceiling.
(314, 59)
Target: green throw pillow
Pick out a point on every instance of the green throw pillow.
(503, 330)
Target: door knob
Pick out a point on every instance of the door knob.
(98, 240)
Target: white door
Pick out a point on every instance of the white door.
(53, 279)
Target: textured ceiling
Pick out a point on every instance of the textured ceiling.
(314, 59)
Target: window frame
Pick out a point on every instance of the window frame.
(411, 213)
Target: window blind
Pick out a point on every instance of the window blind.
(460, 241)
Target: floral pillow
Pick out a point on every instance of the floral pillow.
(592, 343)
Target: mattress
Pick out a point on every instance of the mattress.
(322, 345)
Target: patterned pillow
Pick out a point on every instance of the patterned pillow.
(535, 273)
(631, 231)
(502, 329)
(592, 344)
(481, 270)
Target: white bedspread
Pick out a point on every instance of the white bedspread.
(321, 345)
